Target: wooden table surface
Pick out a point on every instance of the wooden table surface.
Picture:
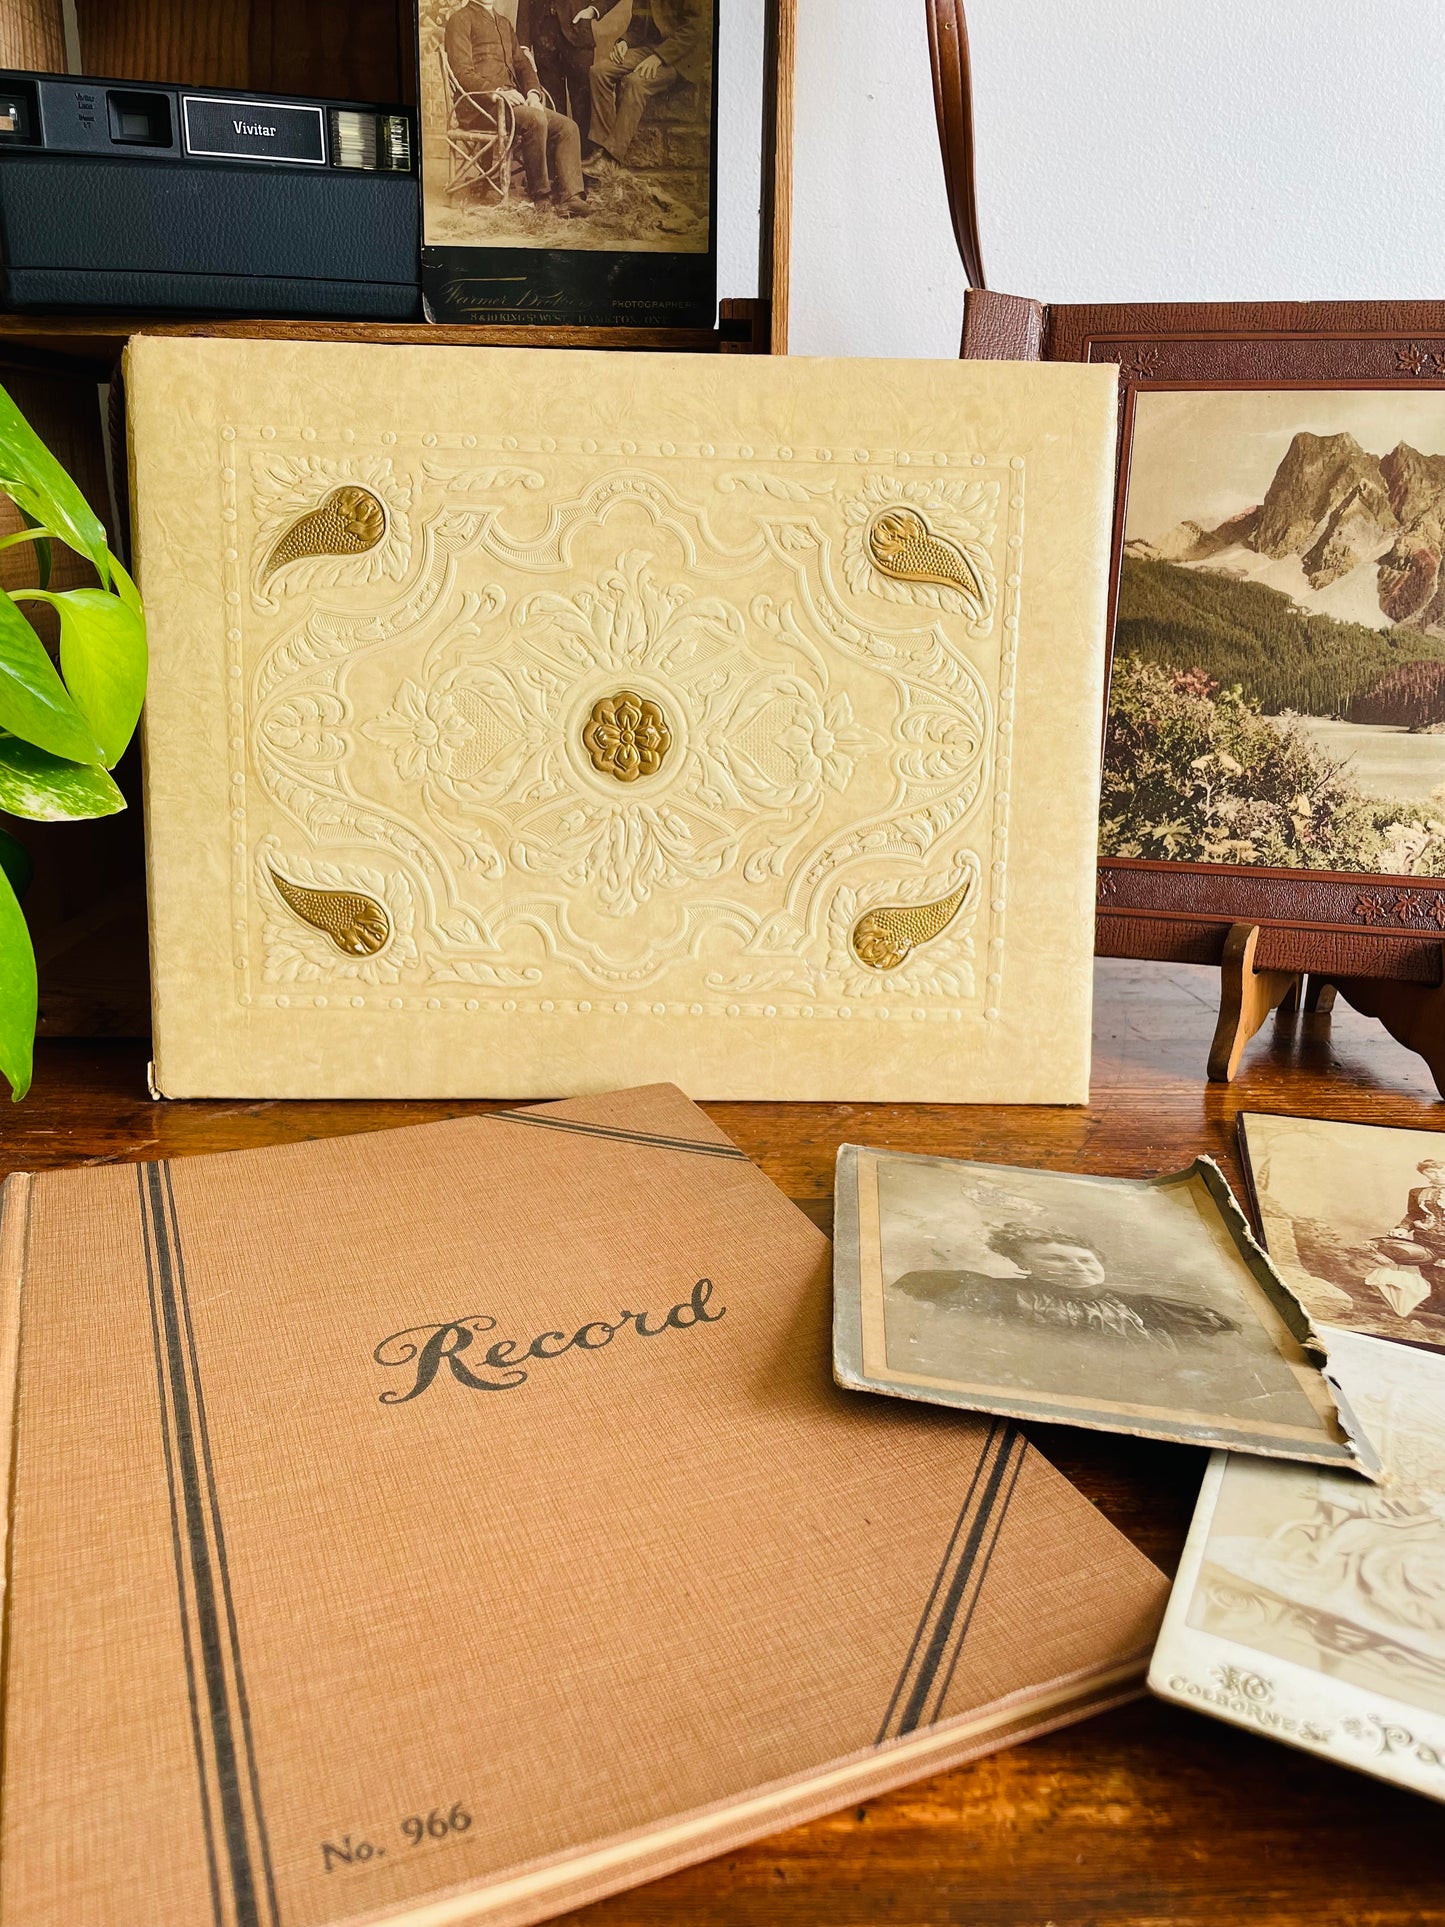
(1144, 1816)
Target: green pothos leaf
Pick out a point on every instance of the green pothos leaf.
(40, 488)
(44, 553)
(103, 658)
(18, 994)
(47, 789)
(34, 702)
(123, 586)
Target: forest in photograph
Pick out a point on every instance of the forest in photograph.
(1282, 657)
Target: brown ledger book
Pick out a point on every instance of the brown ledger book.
(460, 1523)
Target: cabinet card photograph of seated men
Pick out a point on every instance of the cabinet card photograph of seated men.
(1353, 1217)
(1122, 1304)
(568, 161)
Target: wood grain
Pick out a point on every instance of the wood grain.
(1247, 998)
(168, 40)
(348, 49)
(344, 49)
(1146, 1816)
(98, 339)
(777, 208)
(32, 34)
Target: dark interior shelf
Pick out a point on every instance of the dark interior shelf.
(100, 338)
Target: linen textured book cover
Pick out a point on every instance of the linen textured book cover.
(459, 1523)
(518, 717)
(1124, 1304)
(1311, 1607)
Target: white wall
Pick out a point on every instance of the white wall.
(741, 39)
(1127, 150)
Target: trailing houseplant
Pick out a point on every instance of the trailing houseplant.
(62, 728)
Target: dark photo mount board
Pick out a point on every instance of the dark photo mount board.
(1349, 924)
(575, 288)
(578, 287)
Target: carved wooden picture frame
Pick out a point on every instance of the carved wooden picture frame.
(1337, 922)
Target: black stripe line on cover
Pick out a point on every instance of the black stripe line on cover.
(245, 1898)
(938, 1579)
(179, 1557)
(614, 1131)
(220, 1542)
(997, 1453)
(1000, 1515)
(914, 1714)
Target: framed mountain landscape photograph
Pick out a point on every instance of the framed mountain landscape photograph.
(1275, 737)
(1278, 688)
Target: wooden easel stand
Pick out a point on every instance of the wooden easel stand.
(1413, 1014)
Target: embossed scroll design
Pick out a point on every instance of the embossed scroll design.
(1386, 1737)
(926, 542)
(344, 925)
(772, 813)
(320, 523)
(1242, 1683)
(904, 547)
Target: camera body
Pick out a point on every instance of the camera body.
(141, 199)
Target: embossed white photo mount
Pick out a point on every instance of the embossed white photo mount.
(526, 722)
(1309, 1606)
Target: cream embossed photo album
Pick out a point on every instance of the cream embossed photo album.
(522, 722)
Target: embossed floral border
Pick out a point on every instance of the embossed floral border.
(1011, 470)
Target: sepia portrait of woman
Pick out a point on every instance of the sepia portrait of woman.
(1061, 1285)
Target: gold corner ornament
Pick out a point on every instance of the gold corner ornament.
(358, 925)
(626, 736)
(349, 522)
(884, 938)
(905, 549)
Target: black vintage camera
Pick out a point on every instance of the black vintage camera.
(121, 197)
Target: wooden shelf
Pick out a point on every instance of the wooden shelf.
(100, 338)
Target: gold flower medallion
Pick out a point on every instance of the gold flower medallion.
(626, 736)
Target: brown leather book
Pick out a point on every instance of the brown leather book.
(460, 1523)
